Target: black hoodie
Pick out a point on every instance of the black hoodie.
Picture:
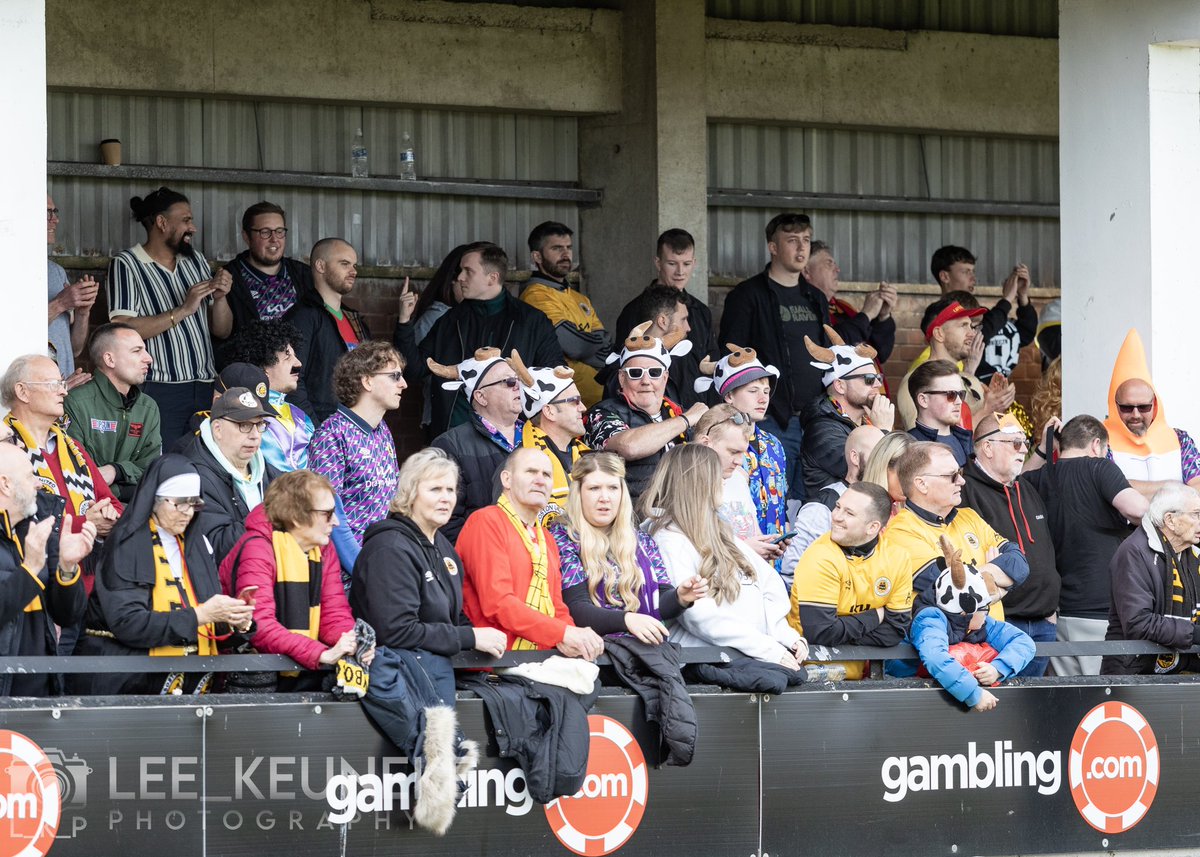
(410, 590)
(1018, 513)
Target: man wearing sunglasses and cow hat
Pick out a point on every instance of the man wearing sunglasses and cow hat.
(553, 410)
(853, 397)
(641, 423)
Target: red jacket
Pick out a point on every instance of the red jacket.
(496, 579)
(255, 557)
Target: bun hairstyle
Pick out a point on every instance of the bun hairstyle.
(155, 203)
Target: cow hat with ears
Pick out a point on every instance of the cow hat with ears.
(736, 369)
(840, 359)
(962, 589)
(641, 344)
(470, 372)
(541, 385)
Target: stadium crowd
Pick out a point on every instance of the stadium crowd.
(224, 479)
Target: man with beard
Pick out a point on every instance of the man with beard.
(480, 445)
(553, 409)
(165, 290)
(70, 305)
(874, 324)
(852, 398)
(271, 347)
(327, 327)
(850, 588)
(110, 416)
(511, 575)
(580, 332)
(773, 312)
(1143, 444)
(265, 282)
(674, 264)
(39, 572)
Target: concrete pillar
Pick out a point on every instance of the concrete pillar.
(23, 156)
(651, 158)
(1129, 93)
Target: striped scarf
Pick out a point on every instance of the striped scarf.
(176, 593)
(532, 436)
(297, 586)
(538, 595)
(81, 489)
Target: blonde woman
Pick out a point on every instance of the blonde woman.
(614, 580)
(881, 465)
(747, 604)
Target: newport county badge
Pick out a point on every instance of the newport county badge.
(451, 565)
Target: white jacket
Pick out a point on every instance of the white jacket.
(756, 624)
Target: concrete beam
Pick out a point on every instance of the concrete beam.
(374, 51)
(810, 74)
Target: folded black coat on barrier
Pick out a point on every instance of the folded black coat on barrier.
(653, 672)
(748, 675)
(554, 756)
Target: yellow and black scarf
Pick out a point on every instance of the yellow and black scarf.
(81, 488)
(297, 586)
(534, 438)
(176, 593)
(538, 595)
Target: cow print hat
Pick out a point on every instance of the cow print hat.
(543, 386)
(961, 589)
(640, 344)
(841, 359)
(470, 372)
(736, 369)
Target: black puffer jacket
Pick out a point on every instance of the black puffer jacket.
(653, 673)
(318, 351)
(466, 328)
(223, 519)
(823, 449)
(1019, 514)
(410, 589)
(544, 727)
(478, 457)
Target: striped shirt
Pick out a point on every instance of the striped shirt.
(140, 287)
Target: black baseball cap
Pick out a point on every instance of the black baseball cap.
(247, 375)
(239, 405)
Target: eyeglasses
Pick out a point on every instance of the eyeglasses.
(634, 373)
(184, 504)
(1019, 445)
(510, 382)
(951, 395)
(395, 376)
(60, 383)
(738, 419)
(51, 213)
(326, 513)
(956, 476)
(1141, 409)
(569, 400)
(265, 233)
(869, 378)
(245, 428)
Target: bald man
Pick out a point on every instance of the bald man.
(328, 328)
(815, 518)
(1136, 404)
(39, 572)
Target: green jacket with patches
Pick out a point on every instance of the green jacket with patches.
(124, 431)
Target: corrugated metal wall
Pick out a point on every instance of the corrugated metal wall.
(876, 246)
(1037, 18)
(314, 138)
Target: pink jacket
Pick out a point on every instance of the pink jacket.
(255, 557)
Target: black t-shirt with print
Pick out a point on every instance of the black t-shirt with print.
(799, 319)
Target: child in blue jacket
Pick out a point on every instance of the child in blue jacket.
(963, 596)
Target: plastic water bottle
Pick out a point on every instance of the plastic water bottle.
(825, 672)
(408, 159)
(358, 156)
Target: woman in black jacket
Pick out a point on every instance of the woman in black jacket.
(408, 579)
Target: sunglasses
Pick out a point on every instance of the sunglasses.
(510, 382)
(1141, 409)
(869, 378)
(738, 419)
(569, 400)
(951, 395)
(326, 513)
(634, 373)
(1018, 445)
(397, 376)
(956, 476)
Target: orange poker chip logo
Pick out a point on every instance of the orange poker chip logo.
(605, 813)
(1114, 767)
(30, 798)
